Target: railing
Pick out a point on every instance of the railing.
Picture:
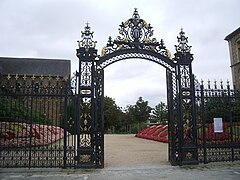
(33, 122)
(218, 123)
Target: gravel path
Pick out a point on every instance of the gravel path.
(129, 151)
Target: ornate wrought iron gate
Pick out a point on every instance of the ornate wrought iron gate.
(135, 41)
(80, 109)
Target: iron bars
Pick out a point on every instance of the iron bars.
(218, 123)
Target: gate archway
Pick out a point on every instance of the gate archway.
(134, 41)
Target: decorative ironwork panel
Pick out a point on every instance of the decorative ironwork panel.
(135, 33)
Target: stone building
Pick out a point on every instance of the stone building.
(234, 49)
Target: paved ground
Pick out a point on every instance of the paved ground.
(134, 159)
(224, 171)
(127, 151)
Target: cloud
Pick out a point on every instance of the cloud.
(133, 78)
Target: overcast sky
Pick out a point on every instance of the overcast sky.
(51, 28)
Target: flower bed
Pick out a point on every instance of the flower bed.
(14, 134)
(156, 133)
(222, 138)
(160, 133)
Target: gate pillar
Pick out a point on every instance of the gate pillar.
(88, 146)
(186, 119)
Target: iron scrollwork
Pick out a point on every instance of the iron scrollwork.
(135, 33)
(87, 41)
(183, 47)
(185, 76)
(86, 72)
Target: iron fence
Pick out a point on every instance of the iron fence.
(38, 123)
(218, 123)
(34, 122)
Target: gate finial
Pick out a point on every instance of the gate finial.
(182, 47)
(87, 38)
(135, 14)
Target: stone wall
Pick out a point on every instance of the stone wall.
(234, 49)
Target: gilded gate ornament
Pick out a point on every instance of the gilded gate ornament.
(189, 155)
(187, 135)
(85, 158)
(135, 33)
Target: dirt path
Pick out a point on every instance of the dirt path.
(129, 151)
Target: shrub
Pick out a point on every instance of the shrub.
(12, 110)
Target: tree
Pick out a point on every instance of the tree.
(112, 113)
(127, 119)
(141, 110)
(221, 107)
(160, 113)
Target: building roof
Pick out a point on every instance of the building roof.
(231, 35)
(35, 66)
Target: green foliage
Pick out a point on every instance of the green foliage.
(112, 113)
(131, 120)
(160, 113)
(14, 110)
(219, 107)
(141, 110)
(130, 114)
(137, 127)
(16, 127)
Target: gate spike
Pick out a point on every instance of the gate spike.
(209, 87)
(228, 82)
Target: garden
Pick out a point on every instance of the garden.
(14, 134)
(230, 134)
(21, 126)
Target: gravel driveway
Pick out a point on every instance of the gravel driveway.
(129, 151)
